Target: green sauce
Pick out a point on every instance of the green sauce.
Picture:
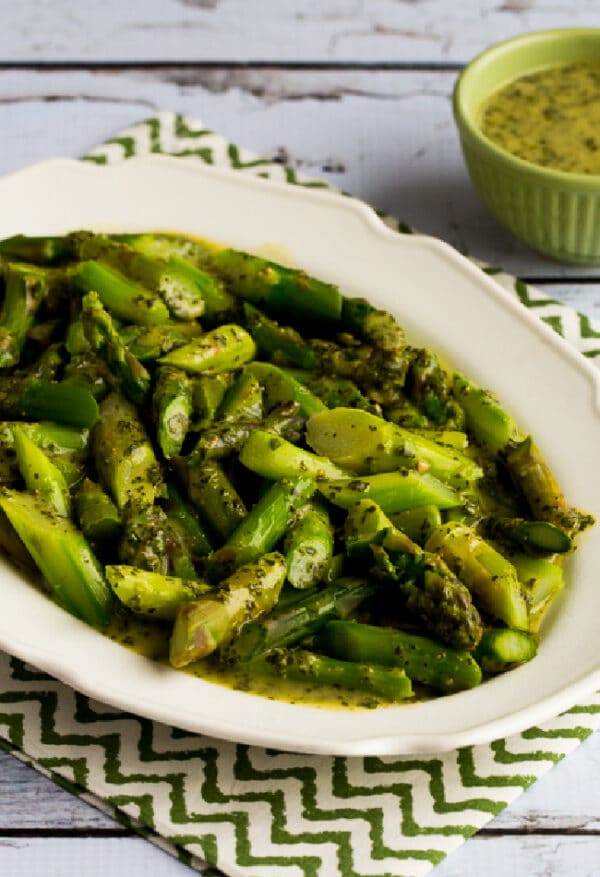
(550, 117)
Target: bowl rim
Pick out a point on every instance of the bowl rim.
(467, 126)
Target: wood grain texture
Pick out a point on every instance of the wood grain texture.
(300, 31)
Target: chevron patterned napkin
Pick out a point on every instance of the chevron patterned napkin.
(250, 812)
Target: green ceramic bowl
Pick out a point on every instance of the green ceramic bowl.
(555, 213)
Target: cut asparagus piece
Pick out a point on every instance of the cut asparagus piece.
(418, 523)
(25, 288)
(172, 405)
(41, 476)
(266, 523)
(423, 659)
(537, 537)
(152, 594)
(490, 577)
(97, 514)
(392, 491)
(429, 590)
(180, 294)
(366, 444)
(214, 495)
(309, 547)
(104, 340)
(217, 301)
(39, 250)
(35, 399)
(541, 581)
(62, 555)
(197, 538)
(491, 425)
(299, 619)
(203, 625)
(124, 456)
(533, 476)
(501, 648)
(151, 342)
(285, 290)
(275, 340)
(124, 299)
(273, 457)
(280, 386)
(303, 666)
(224, 349)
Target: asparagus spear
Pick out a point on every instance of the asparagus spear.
(285, 290)
(218, 303)
(418, 523)
(299, 620)
(207, 395)
(274, 340)
(214, 495)
(124, 456)
(273, 457)
(265, 524)
(104, 339)
(490, 577)
(309, 547)
(197, 538)
(150, 593)
(62, 555)
(428, 588)
(491, 425)
(180, 294)
(532, 475)
(224, 349)
(379, 327)
(25, 288)
(41, 476)
(35, 399)
(152, 342)
(212, 621)
(423, 659)
(97, 514)
(280, 386)
(366, 444)
(124, 299)
(333, 391)
(428, 386)
(145, 539)
(537, 537)
(243, 400)
(306, 667)
(501, 648)
(172, 404)
(541, 581)
(39, 250)
(392, 491)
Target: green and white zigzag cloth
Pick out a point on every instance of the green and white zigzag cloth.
(250, 812)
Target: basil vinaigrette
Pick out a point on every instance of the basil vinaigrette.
(550, 117)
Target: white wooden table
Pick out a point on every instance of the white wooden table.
(354, 91)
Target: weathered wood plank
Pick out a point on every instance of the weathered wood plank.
(92, 857)
(380, 31)
(535, 855)
(387, 137)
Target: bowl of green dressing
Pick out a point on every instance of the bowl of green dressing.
(528, 115)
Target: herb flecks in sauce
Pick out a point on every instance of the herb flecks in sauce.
(550, 117)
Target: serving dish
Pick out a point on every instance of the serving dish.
(443, 301)
(555, 213)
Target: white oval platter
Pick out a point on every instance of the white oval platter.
(443, 301)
